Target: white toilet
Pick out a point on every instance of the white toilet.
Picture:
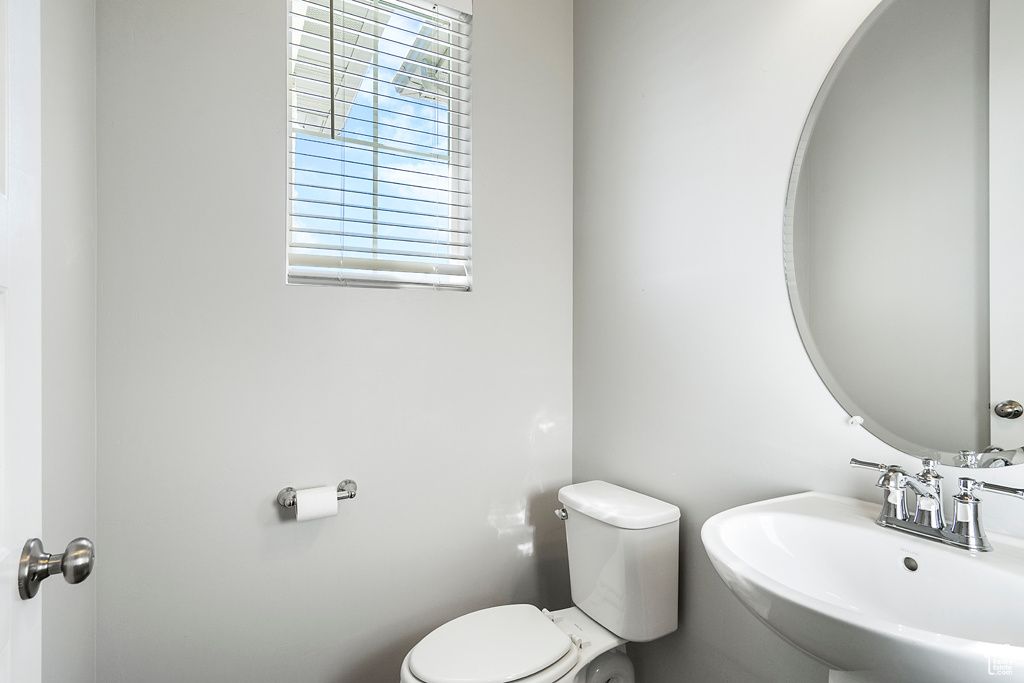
(624, 574)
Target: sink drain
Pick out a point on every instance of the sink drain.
(910, 563)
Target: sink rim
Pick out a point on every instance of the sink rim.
(735, 570)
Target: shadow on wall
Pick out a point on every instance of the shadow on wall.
(381, 667)
(550, 553)
(637, 651)
(544, 582)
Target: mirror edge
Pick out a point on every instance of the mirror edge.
(796, 307)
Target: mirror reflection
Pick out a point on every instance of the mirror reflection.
(887, 227)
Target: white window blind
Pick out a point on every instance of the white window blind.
(379, 144)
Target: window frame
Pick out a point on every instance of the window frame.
(417, 232)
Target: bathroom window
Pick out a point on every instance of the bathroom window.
(379, 145)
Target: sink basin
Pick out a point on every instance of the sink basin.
(817, 570)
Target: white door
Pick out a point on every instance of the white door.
(1006, 216)
(20, 331)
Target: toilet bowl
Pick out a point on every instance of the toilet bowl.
(623, 570)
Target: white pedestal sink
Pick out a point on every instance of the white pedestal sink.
(817, 570)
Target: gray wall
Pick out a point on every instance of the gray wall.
(690, 380)
(895, 225)
(69, 327)
(219, 384)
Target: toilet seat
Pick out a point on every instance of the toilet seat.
(496, 645)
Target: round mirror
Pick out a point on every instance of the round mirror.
(887, 232)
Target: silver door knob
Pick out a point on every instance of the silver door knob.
(75, 563)
(1011, 410)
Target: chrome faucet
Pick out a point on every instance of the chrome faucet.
(997, 457)
(966, 530)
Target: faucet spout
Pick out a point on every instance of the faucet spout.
(922, 488)
(928, 487)
(929, 503)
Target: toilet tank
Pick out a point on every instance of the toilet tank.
(623, 558)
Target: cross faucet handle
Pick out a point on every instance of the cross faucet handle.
(854, 462)
(967, 512)
(968, 486)
(893, 480)
(893, 476)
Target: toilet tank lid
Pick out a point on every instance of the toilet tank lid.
(617, 506)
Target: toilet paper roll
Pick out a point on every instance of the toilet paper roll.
(315, 503)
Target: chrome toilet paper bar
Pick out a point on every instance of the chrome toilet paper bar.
(346, 490)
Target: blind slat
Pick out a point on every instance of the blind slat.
(354, 263)
(302, 276)
(341, 37)
(371, 236)
(383, 182)
(383, 143)
(311, 53)
(314, 49)
(459, 94)
(352, 191)
(390, 211)
(459, 90)
(436, 236)
(419, 179)
(370, 250)
(456, 21)
(396, 143)
(314, 25)
(370, 12)
(423, 40)
(313, 22)
(392, 181)
(387, 166)
(325, 98)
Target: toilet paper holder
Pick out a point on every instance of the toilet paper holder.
(346, 490)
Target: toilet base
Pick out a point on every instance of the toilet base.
(611, 667)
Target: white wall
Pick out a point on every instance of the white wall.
(896, 225)
(690, 380)
(219, 385)
(69, 327)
